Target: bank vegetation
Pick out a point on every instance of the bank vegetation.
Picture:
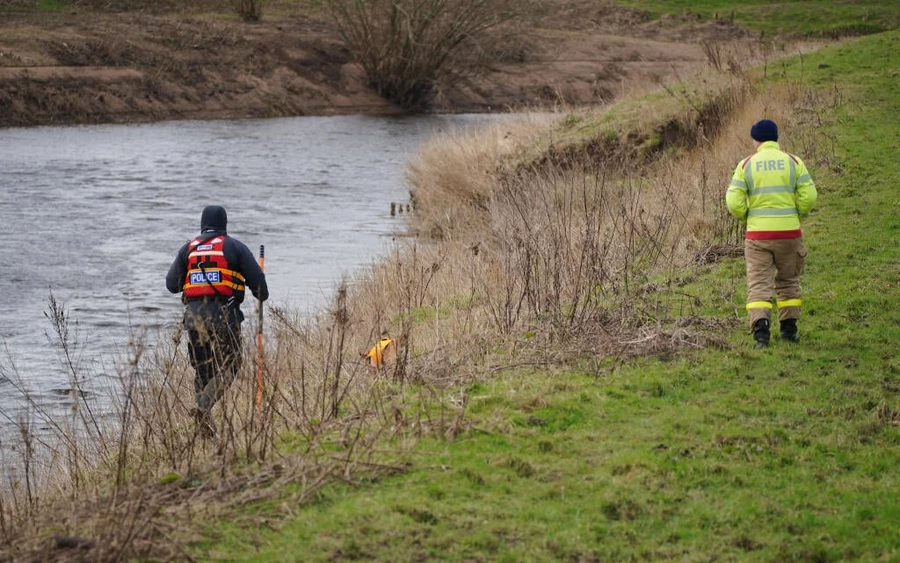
(545, 243)
(524, 253)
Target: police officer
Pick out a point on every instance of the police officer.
(770, 192)
(213, 271)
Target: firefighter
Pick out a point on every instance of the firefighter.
(770, 192)
(213, 271)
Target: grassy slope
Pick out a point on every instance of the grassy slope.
(789, 453)
(799, 18)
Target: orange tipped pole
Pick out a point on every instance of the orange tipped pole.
(259, 339)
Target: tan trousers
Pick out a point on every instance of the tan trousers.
(774, 266)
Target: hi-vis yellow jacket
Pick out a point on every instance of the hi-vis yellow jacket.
(771, 190)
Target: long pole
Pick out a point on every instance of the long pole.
(259, 339)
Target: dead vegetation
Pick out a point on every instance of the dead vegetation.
(584, 264)
(530, 253)
(86, 488)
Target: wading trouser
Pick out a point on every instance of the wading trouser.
(215, 352)
(774, 266)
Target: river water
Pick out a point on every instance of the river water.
(95, 214)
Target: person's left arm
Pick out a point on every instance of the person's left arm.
(246, 264)
(806, 190)
(736, 196)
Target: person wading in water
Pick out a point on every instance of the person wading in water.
(212, 271)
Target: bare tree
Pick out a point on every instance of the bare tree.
(406, 46)
(250, 10)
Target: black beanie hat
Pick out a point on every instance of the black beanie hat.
(213, 217)
(764, 130)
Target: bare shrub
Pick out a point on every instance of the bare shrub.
(406, 46)
(250, 10)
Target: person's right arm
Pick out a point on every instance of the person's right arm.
(177, 271)
(806, 190)
(736, 196)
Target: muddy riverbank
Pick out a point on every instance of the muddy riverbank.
(85, 66)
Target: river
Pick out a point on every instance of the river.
(95, 214)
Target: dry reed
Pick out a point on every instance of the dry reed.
(537, 262)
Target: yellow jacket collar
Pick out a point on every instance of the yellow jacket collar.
(768, 145)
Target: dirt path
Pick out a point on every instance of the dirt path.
(79, 67)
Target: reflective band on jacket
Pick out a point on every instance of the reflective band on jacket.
(773, 212)
(793, 181)
(748, 174)
(209, 274)
(774, 190)
(789, 303)
(759, 305)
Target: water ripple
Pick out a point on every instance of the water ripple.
(96, 214)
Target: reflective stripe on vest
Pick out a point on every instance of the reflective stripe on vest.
(740, 184)
(772, 212)
(774, 190)
(748, 173)
(792, 183)
(209, 274)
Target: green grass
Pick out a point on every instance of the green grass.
(52, 5)
(805, 18)
(35, 6)
(786, 454)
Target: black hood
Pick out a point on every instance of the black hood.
(214, 218)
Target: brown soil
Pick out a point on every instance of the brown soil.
(80, 66)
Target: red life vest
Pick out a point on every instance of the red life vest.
(208, 273)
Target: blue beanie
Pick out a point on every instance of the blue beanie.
(764, 130)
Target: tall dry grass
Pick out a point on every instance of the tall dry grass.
(535, 261)
(86, 486)
(593, 240)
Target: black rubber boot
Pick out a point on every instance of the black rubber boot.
(789, 331)
(761, 333)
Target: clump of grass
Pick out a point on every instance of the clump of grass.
(804, 18)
